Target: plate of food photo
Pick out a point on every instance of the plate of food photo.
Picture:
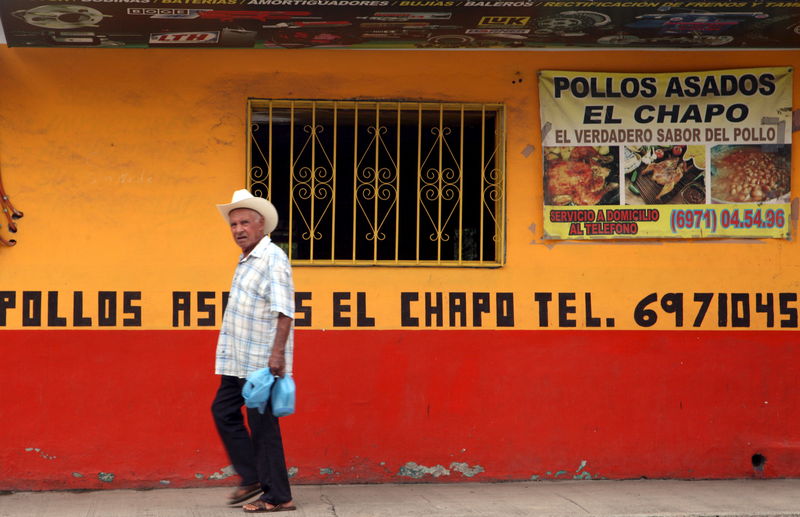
(750, 173)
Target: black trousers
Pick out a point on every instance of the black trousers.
(257, 454)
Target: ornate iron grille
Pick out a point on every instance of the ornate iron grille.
(382, 183)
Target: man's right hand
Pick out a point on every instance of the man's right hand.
(277, 364)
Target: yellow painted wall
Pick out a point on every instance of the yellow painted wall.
(117, 158)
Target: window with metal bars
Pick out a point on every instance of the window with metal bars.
(381, 183)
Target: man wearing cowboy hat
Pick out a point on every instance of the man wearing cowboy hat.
(256, 333)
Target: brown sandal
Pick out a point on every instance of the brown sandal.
(243, 493)
(261, 507)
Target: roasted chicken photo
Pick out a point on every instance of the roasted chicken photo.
(666, 173)
(579, 175)
(658, 174)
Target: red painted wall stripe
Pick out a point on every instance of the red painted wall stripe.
(94, 409)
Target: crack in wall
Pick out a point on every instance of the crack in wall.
(40, 453)
(466, 470)
(415, 471)
(225, 472)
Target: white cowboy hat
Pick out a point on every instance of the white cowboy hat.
(244, 199)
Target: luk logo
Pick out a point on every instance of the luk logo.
(185, 37)
(514, 21)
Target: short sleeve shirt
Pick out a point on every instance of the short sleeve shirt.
(261, 289)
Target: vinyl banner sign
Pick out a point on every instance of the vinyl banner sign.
(668, 155)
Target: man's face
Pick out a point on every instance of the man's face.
(247, 227)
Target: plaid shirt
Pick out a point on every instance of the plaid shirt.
(262, 288)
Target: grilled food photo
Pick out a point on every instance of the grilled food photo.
(656, 174)
(583, 175)
(666, 173)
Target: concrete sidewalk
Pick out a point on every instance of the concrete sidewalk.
(558, 498)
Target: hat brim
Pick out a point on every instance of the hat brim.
(260, 205)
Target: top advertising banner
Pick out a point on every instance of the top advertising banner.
(668, 155)
(400, 23)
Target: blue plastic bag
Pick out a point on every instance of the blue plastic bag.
(283, 395)
(256, 389)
